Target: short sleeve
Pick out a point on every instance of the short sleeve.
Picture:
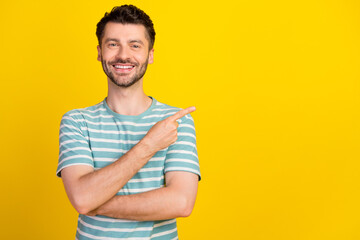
(74, 147)
(182, 155)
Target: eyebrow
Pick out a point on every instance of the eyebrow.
(136, 41)
(130, 41)
(112, 40)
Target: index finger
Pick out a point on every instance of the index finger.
(181, 113)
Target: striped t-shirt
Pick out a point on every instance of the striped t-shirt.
(97, 136)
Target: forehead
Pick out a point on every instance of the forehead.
(124, 31)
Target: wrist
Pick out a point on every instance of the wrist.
(145, 148)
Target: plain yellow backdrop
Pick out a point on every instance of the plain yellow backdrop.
(276, 86)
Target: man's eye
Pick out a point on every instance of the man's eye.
(112, 44)
(135, 46)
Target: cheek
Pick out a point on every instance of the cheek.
(142, 57)
(108, 55)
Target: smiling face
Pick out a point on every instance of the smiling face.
(124, 53)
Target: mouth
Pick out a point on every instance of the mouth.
(123, 68)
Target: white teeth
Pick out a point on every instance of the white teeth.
(123, 67)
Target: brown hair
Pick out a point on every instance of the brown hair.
(127, 14)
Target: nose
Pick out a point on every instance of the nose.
(123, 53)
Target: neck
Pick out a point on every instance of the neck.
(128, 101)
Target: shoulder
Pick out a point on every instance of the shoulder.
(166, 110)
(83, 113)
(162, 107)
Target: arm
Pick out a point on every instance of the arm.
(181, 176)
(177, 199)
(88, 189)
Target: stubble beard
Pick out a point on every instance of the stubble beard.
(132, 80)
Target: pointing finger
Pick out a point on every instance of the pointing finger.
(181, 113)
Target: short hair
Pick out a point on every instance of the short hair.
(127, 14)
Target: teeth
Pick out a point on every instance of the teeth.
(123, 67)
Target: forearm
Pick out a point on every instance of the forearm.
(159, 204)
(175, 200)
(97, 187)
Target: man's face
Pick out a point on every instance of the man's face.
(124, 53)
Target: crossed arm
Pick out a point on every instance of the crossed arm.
(177, 199)
(93, 192)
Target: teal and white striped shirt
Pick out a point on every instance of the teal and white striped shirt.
(97, 136)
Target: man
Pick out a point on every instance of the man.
(129, 164)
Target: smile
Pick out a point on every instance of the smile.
(123, 68)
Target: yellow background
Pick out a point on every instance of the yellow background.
(276, 86)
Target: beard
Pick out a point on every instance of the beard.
(139, 69)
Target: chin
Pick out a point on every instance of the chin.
(124, 84)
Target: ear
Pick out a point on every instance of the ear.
(99, 53)
(151, 56)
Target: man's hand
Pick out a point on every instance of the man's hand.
(164, 133)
